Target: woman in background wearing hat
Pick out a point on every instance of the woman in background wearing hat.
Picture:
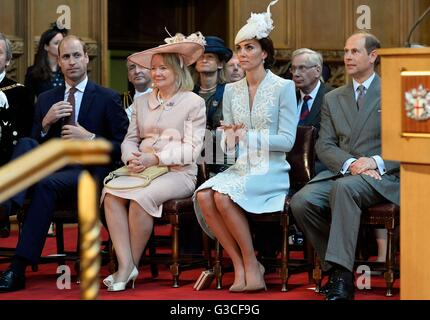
(166, 129)
(210, 86)
(211, 79)
(260, 118)
(210, 83)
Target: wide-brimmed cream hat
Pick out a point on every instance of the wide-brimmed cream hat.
(189, 49)
(258, 26)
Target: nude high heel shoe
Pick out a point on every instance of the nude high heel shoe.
(258, 287)
(237, 288)
(120, 286)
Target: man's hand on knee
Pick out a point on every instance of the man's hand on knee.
(373, 173)
(362, 165)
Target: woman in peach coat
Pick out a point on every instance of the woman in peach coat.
(166, 129)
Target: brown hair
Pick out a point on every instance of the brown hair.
(267, 45)
(72, 37)
(371, 43)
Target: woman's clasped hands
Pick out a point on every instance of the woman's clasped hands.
(234, 133)
(141, 161)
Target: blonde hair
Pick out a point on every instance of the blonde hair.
(183, 79)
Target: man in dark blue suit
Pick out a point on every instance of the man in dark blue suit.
(81, 110)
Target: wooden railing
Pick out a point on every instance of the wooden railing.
(48, 158)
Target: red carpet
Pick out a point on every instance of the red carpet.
(41, 285)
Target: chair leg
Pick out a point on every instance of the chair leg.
(284, 254)
(317, 273)
(389, 274)
(218, 266)
(174, 268)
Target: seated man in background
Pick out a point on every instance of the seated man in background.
(140, 78)
(306, 68)
(233, 70)
(81, 110)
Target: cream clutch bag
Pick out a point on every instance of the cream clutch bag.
(144, 178)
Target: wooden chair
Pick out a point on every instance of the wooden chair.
(302, 161)
(386, 215)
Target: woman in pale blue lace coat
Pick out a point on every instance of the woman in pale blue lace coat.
(260, 123)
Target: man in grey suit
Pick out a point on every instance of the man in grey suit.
(328, 209)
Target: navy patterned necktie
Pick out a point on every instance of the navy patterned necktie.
(305, 109)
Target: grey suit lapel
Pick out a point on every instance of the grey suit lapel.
(348, 105)
(371, 100)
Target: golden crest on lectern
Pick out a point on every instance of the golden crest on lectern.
(416, 101)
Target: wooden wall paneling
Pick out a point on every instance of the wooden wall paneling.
(406, 18)
(190, 17)
(284, 21)
(211, 18)
(141, 26)
(385, 26)
(104, 42)
(231, 23)
(98, 38)
(241, 11)
(11, 25)
(422, 34)
(322, 24)
(349, 22)
(8, 10)
(88, 21)
(287, 31)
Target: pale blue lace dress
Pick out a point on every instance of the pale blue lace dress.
(258, 181)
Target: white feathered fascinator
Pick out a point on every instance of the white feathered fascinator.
(257, 27)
